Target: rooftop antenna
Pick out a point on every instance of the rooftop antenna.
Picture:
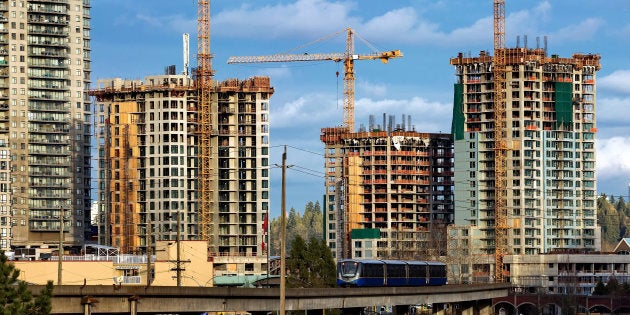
(186, 52)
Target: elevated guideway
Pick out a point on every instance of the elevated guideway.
(99, 299)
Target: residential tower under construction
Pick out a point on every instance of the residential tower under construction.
(388, 190)
(148, 163)
(550, 172)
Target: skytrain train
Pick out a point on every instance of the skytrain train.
(389, 273)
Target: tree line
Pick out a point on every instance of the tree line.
(613, 215)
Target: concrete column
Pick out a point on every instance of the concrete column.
(486, 309)
(400, 309)
(467, 309)
(352, 311)
(133, 305)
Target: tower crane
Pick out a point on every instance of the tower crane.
(500, 144)
(348, 57)
(204, 88)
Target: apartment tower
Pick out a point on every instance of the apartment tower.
(388, 191)
(148, 162)
(550, 180)
(45, 122)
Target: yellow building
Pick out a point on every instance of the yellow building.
(195, 269)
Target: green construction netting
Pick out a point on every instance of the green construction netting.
(365, 233)
(564, 103)
(457, 126)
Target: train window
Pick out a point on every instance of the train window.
(372, 270)
(348, 269)
(396, 271)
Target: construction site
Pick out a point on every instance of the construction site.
(389, 191)
(182, 156)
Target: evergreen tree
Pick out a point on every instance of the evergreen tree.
(609, 221)
(15, 298)
(600, 288)
(298, 264)
(308, 225)
(310, 265)
(613, 287)
(324, 271)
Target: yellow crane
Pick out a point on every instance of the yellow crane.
(204, 89)
(347, 58)
(500, 144)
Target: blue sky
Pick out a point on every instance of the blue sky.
(132, 39)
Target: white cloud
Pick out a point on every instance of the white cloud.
(609, 109)
(426, 116)
(284, 20)
(617, 81)
(613, 158)
(372, 89)
(280, 72)
(314, 110)
(582, 31)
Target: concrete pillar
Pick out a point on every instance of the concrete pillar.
(400, 310)
(486, 309)
(468, 309)
(352, 311)
(87, 302)
(133, 305)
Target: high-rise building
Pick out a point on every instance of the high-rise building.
(388, 191)
(148, 148)
(550, 180)
(45, 122)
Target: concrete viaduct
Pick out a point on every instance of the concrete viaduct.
(100, 299)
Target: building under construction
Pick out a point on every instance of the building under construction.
(388, 190)
(148, 142)
(550, 111)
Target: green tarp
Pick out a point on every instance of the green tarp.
(457, 126)
(365, 233)
(564, 103)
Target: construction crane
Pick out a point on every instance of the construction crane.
(204, 88)
(500, 144)
(347, 58)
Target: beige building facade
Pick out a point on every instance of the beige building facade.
(121, 269)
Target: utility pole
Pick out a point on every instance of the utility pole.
(60, 251)
(178, 245)
(178, 259)
(283, 231)
(149, 236)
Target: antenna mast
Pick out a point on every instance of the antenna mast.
(186, 52)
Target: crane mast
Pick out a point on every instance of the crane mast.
(348, 83)
(500, 144)
(204, 87)
(348, 58)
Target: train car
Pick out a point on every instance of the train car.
(376, 273)
(437, 273)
